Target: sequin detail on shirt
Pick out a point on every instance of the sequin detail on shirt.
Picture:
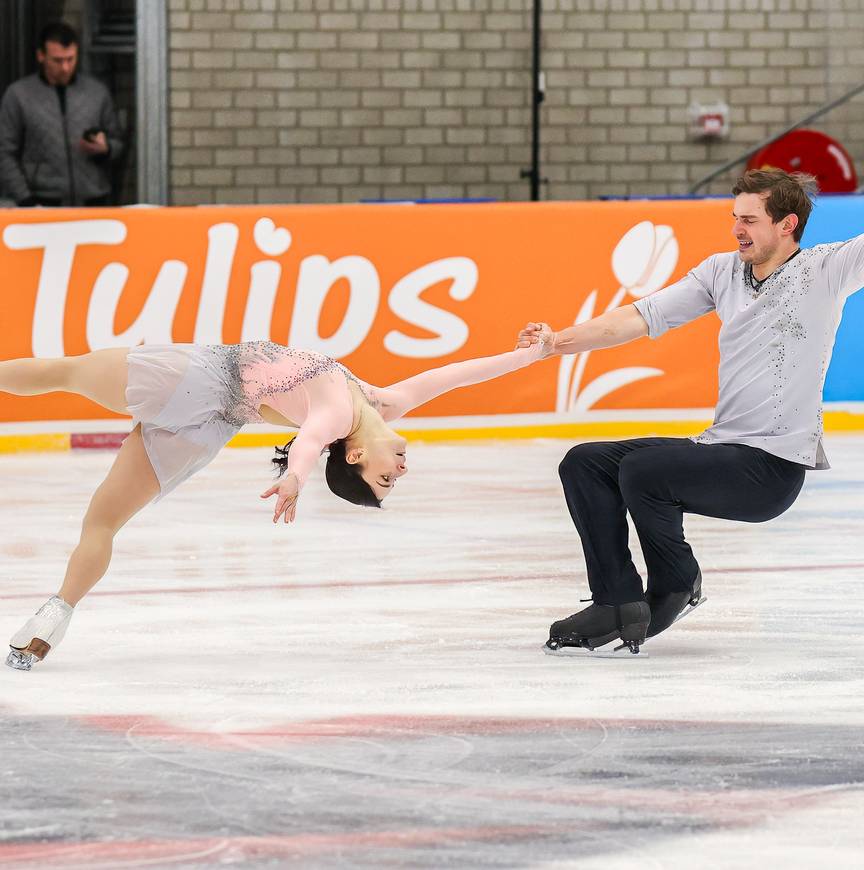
(775, 342)
(780, 296)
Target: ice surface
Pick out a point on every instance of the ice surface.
(366, 688)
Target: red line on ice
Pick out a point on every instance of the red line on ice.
(93, 855)
(432, 581)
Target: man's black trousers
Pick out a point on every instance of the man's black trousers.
(658, 480)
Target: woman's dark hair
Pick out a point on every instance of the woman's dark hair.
(343, 477)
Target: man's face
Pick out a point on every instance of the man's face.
(757, 235)
(58, 62)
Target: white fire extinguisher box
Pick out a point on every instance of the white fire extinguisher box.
(709, 120)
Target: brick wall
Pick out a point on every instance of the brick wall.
(342, 100)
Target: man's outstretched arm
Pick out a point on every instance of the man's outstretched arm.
(615, 327)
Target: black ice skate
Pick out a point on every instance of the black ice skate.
(666, 609)
(600, 624)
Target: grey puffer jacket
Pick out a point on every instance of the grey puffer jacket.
(39, 145)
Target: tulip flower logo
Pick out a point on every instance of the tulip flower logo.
(642, 262)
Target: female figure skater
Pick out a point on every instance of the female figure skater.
(187, 401)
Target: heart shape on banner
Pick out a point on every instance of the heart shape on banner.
(271, 240)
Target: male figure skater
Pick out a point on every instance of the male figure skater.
(779, 307)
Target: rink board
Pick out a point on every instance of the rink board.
(391, 291)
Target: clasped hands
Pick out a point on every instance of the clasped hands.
(538, 333)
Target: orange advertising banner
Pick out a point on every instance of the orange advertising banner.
(389, 290)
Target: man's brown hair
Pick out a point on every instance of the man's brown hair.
(788, 193)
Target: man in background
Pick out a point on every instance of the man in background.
(58, 130)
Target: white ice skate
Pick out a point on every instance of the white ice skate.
(40, 634)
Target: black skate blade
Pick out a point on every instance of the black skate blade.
(608, 652)
(581, 652)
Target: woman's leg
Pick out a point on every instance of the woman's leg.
(130, 485)
(100, 376)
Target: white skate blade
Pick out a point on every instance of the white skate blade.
(688, 610)
(685, 612)
(606, 652)
(20, 661)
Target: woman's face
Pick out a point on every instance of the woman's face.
(382, 462)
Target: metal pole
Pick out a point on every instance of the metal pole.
(538, 87)
(773, 138)
(151, 69)
(26, 40)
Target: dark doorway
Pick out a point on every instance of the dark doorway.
(108, 47)
(108, 34)
(20, 22)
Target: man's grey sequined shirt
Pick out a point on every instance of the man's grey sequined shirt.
(775, 343)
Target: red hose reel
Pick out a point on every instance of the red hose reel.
(812, 152)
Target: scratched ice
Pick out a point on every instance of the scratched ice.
(366, 689)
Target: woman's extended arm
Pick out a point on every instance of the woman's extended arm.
(314, 435)
(401, 397)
